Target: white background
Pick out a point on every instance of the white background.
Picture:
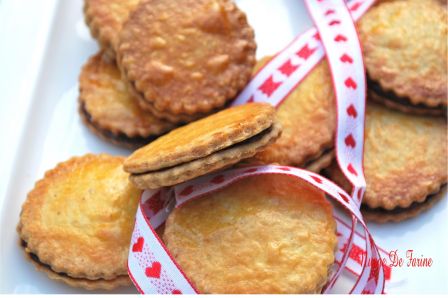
(43, 45)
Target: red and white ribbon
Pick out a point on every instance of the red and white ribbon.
(150, 265)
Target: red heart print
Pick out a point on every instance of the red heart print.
(251, 99)
(186, 191)
(269, 86)
(351, 111)
(340, 38)
(334, 22)
(154, 270)
(351, 169)
(329, 12)
(138, 246)
(344, 197)
(350, 141)
(350, 83)
(359, 193)
(284, 169)
(317, 179)
(355, 6)
(217, 179)
(346, 58)
(176, 291)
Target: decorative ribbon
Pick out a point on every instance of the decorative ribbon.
(150, 265)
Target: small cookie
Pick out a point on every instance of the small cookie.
(76, 223)
(200, 147)
(405, 53)
(308, 119)
(110, 111)
(405, 158)
(105, 19)
(264, 234)
(186, 58)
(380, 215)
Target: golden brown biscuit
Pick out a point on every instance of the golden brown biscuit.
(105, 19)
(308, 119)
(405, 158)
(380, 215)
(200, 147)
(264, 234)
(405, 51)
(186, 58)
(77, 222)
(110, 111)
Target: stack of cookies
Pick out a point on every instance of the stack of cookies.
(405, 159)
(166, 63)
(161, 64)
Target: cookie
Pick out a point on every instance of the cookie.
(110, 111)
(405, 158)
(186, 58)
(264, 234)
(405, 54)
(76, 223)
(308, 119)
(209, 144)
(105, 19)
(380, 215)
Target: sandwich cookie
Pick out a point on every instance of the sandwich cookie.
(185, 59)
(105, 19)
(264, 234)
(405, 159)
(203, 146)
(110, 111)
(308, 119)
(405, 54)
(76, 223)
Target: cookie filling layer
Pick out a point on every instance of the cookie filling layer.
(254, 139)
(120, 138)
(402, 101)
(400, 210)
(314, 159)
(36, 260)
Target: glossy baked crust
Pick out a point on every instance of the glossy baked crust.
(264, 234)
(405, 49)
(405, 158)
(201, 138)
(308, 118)
(187, 56)
(215, 161)
(79, 218)
(110, 110)
(105, 19)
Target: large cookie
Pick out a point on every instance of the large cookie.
(200, 147)
(405, 53)
(76, 223)
(264, 234)
(186, 58)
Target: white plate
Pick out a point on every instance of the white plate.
(44, 44)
